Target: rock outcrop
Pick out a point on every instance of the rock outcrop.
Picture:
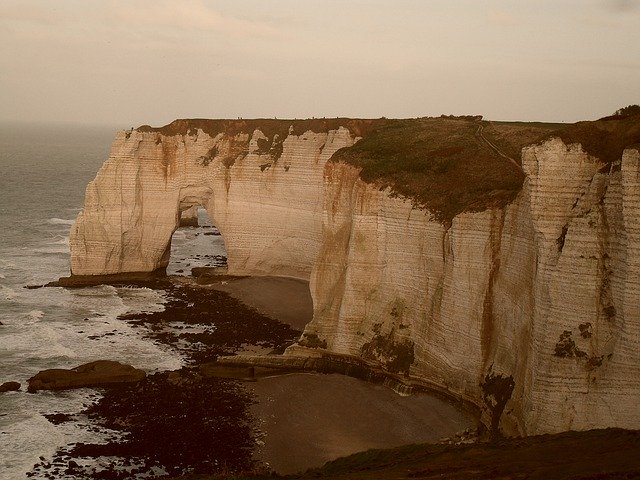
(189, 217)
(9, 387)
(100, 373)
(542, 294)
(529, 310)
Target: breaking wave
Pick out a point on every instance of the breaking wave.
(61, 221)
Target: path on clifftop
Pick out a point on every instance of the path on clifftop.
(495, 148)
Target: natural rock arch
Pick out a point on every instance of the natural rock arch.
(269, 208)
(196, 243)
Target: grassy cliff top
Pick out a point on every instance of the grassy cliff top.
(268, 126)
(447, 165)
(444, 164)
(605, 138)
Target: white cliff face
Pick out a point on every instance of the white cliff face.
(533, 309)
(544, 292)
(269, 210)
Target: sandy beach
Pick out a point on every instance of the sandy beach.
(287, 300)
(285, 423)
(309, 419)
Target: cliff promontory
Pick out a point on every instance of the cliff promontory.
(498, 262)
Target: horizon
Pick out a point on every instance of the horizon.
(143, 62)
(71, 123)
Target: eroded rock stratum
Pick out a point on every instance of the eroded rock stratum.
(525, 302)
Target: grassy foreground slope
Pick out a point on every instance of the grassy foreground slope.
(594, 454)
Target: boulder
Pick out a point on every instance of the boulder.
(9, 387)
(100, 373)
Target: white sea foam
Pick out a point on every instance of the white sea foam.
(35, 315)
(60, 240)
(46, 328)
(137, 300)
(28, 434)
(61, 221)
(55, 249)
(6, 263)
(7, 293)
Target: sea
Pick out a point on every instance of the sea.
(44, 170)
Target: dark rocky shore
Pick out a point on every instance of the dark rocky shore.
(182, 421)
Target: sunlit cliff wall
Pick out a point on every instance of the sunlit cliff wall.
(268, 209)
(544, 292)
(534, 307)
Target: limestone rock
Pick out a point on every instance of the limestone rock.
(189, 217)
(94, 374)
(268, 209)
(494, 296)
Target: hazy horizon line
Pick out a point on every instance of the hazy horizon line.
(129, 125)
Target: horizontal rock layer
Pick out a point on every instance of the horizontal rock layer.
(531, 311)
(543, 293)
(266, 202)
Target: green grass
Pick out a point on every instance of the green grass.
(438, 163)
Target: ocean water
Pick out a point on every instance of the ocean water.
(43, 174)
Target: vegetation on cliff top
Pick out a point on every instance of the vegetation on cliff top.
(268, 126)
(443, 164)
(605, 138)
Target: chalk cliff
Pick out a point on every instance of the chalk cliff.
(264, 194)
(530, 307)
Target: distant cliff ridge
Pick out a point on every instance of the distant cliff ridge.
(498, 261)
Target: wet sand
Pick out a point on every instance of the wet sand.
(309, 419)
(287, 300)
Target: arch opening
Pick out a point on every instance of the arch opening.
(197, 242)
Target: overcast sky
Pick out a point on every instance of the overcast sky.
(131, 62)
